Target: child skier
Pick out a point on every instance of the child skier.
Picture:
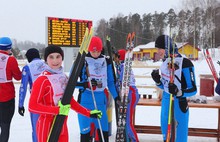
(30, 72)
(133, 97)
(46, 93)
(100, 70)
(184, 85)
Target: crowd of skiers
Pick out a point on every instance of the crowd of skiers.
(47, 81)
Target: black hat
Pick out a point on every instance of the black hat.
(31, 54)
(53, 49)
(163, 41)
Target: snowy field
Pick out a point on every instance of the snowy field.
(21, 126)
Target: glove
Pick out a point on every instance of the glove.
(174, 90)
(156, 76)
(21, 111)
(96, 114)
(64, 109)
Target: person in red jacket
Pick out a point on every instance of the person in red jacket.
(47, 92)
(8, 70)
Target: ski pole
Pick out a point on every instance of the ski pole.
(171, 121)
(94, 101)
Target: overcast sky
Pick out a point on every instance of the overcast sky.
(25, 19)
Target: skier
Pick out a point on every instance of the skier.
(184, 85)
(46, 93)
(100, 70)
(30, 72)
(133, 97)
(8, 70)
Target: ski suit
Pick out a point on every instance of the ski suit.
(47, 90)
(185, 81)
(133, 97)
(29, 74)
(8, 70)
(100, 70)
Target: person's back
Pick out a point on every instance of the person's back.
(29, 74)
(9, 70)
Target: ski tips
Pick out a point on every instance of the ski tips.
(130, 41)
(86, 40)
(83, 41)
(108, 38)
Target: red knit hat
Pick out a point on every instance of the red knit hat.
(122, 54)
(95, 44)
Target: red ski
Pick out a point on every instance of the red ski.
(210, 63)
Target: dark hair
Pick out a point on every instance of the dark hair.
(31, 54)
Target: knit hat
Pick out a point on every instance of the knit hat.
(163, 42)
(31, 54)
(52, 49)
(114, 52)
(95, 44)
(166, 43)
(5, 43)
(122, 53)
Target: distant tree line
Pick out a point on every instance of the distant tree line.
(197, 23)
(19, 46)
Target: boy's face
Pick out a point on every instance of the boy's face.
(54, 60)
(95, 54)
(161, 52)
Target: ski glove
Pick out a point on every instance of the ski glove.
(21, 111)
(96, 114)
(64, 109)
(156, 76)
(174, 90)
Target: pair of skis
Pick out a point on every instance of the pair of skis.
(210, 63)
(70, 87)
(122, 107)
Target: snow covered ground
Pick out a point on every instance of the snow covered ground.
(21, 126)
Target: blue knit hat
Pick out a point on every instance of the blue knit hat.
(5, 43)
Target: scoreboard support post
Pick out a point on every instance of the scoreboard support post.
(70, 56)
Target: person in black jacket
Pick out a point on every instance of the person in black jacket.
(183, 86)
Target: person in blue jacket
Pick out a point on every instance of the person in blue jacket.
(133, 97)
(184, 86)
(30, 72)
(99, 68)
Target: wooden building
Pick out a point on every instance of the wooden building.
(148, 51)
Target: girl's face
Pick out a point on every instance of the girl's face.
(54, 60)
(161, 52)
(95, 54)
